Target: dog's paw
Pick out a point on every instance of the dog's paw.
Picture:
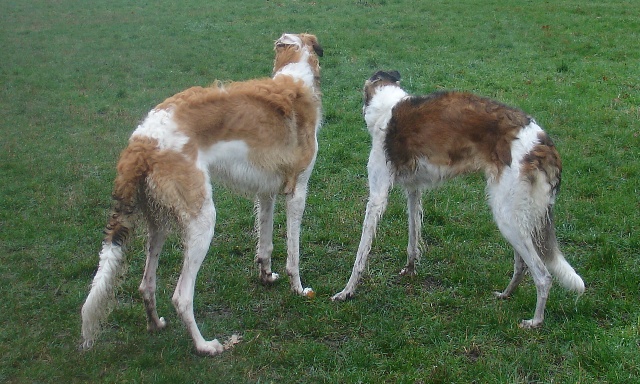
(341, 296)
(269, 278)
(408, 271)
(153, 326)
(210, 348)
(500, 295)
(530, 324)
(86, 345)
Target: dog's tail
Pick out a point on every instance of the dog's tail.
(133, 167)
(547, 244)
(543, 163)
(554, 259)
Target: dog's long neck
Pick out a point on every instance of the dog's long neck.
(378, 112)
(303, 69)
(300, 70)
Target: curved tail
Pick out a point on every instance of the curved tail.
(132, 171)
(565, 274)
(553, 258)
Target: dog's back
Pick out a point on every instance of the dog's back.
(250, 134)
(457, 130)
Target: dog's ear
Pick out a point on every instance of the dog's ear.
(376, 77)
(317, 48)
(312, 40)
(394, 75)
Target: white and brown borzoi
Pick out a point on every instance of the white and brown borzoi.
(421, 141)
(256, 137)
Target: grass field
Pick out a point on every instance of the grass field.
(76, 77)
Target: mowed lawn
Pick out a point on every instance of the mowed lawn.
(76, 77)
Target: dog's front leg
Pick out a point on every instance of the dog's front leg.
(380, 181)
(295, 209)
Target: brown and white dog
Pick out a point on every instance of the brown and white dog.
(256, 137)
(421, 141)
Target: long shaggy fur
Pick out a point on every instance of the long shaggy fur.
(256, 137)
(421, 141)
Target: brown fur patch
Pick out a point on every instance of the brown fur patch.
(276, 118)
(544, 157)
(132, 170)
(150, 177)
(454, 129)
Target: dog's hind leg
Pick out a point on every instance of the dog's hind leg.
(197, 237)
(380, 181)
(147, 287)
(414, 213)
(519, 270)
(516, 217)
(542, 280)
(264, 226)
(524, 246)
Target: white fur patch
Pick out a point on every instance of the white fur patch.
(160, 125)
(300, 70)
(378, 113)
(513, 194)
(525, 141)
(228, 162)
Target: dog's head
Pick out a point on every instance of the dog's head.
(379, 79)
(294, 48)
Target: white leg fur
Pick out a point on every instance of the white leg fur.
(380, 182)
(198, 235)
(295, 208)
(519, 269)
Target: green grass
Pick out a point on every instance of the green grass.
(76, 77)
